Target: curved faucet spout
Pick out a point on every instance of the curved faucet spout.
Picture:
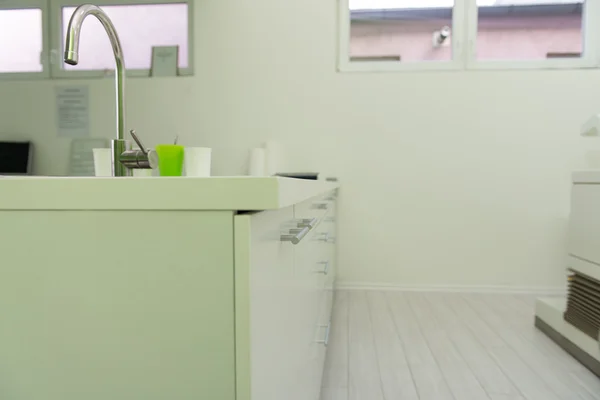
(72, 54)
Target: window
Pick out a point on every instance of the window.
(429, 34)
(529, 29)
(404, 33)
(398, 33)
(534, 34)
(34, 33)
(23, 48)
(140, 28)
(25, 41)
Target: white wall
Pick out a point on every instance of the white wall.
(457, 178)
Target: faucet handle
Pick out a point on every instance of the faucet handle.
(139, 142)
(139, 159)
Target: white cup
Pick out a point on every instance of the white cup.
(197, 161)
(257, 163)
(142, 173)
(102, 162)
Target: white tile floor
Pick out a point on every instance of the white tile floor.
(437, 346)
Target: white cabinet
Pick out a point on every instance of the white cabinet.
(283, 300)
(584, 232)
(195, 303)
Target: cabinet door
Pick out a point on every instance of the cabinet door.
(265, 291)
(87, 315)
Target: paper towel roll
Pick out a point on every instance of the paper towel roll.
(274, 160)
(257, 165)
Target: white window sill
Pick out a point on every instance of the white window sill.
(130, 73)
(394, 66)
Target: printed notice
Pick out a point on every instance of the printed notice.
(73, 107)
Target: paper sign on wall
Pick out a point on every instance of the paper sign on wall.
(82, 155)
(73, 111)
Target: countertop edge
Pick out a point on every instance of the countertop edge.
(144, 194)
(586, 177)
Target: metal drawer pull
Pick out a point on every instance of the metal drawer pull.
(329, 219)
(326, 341)
(320, 206)
(326, 238)
(330, 198)
(295, 235)
(308, 223)
(325, 270)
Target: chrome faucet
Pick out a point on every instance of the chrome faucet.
(124, 159)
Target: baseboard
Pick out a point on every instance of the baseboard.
(539, 290)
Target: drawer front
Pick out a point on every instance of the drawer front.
(306, 307)
(319, 348)
(316, 257)
(307, 282)
(273, 301)
(316, 207)
(315, 269)
(326, 250)
(314, 350)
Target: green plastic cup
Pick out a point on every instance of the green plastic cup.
(170, 159)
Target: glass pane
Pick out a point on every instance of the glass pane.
(21, 42)
(401, 30)
(529, 29)
(140, 27)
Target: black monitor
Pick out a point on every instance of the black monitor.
(16, 158)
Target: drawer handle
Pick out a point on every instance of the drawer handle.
(325, 342)
(295, 235)
(320, 206)
(310, 223)
(326, 238)
(329, 219)
(325, 269)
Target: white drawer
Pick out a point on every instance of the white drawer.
(310, 372)
(315, 272)
(326, 252)
(317, 207)
(322, 338)
(307, 277)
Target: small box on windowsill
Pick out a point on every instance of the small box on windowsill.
(397, 58)
(563, 55)
(165, 61)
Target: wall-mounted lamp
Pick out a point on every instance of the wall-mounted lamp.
(591, 127)
(440, 37)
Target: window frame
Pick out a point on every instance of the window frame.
(44, 59)
(56, 39)
(464, 42)
(589, 58)
(456, 63)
